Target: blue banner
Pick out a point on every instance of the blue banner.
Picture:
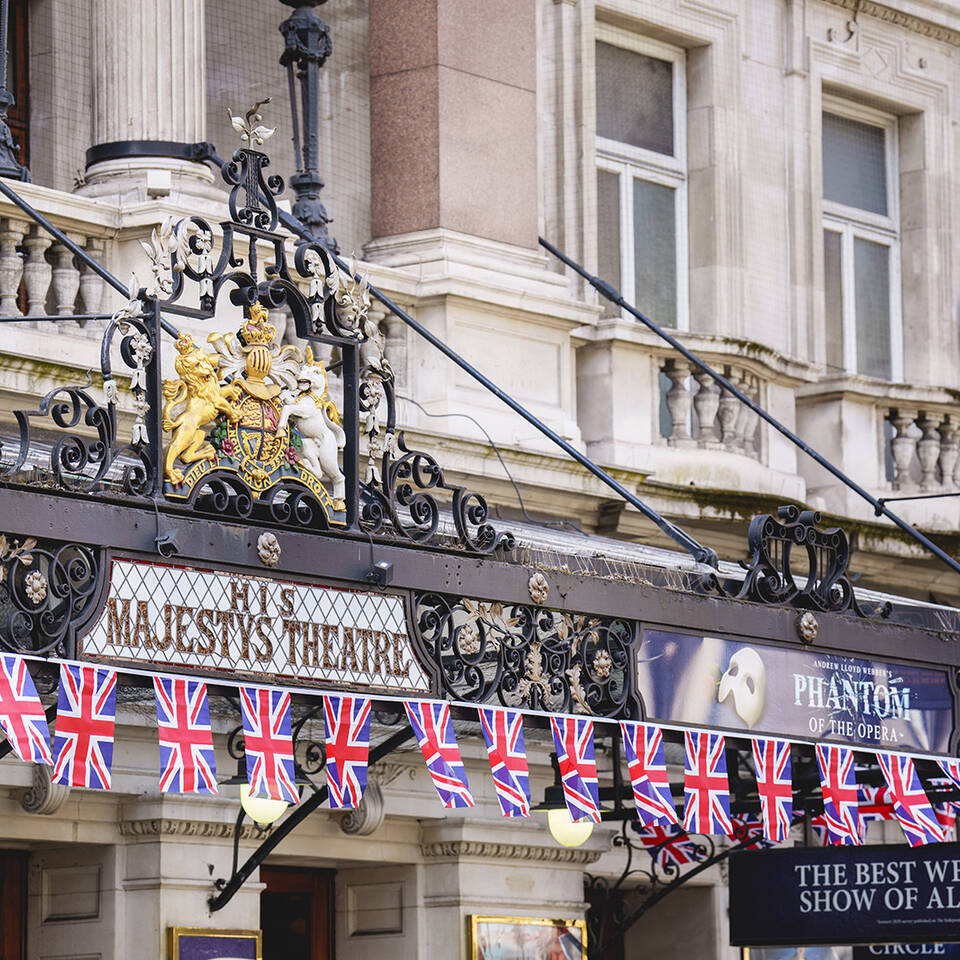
(739, 685)
(846, 895)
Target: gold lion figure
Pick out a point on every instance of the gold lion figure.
(199, 390)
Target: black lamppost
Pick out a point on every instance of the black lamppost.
(307, 48)
(10, 166)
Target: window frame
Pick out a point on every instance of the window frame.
(629, 162)
(852, 223)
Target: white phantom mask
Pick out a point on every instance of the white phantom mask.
(746, 679)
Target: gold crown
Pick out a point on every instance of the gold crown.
(184, 342)
(256, 330)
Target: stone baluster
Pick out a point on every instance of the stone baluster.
(679, 399)
(91, 284)
(66, 278)
(928, 449)
(949, 451)
(751, 419)
(395, 346)
(12, 233)
(706, 402)
(902, 446)
(37, 273)
(728, 412)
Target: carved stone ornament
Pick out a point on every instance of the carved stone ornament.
(456, 849)
(170, 827)
(43, 797)
(268, 549)
(807, 627)
(368, 816)
(539, 588)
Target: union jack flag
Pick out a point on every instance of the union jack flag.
(952, 769)
(573, 739)
(21, 713)
(750, 831)
(771, 760)
(503, 733)
(838, 782)
(910, 803)
(643, 743)
(874, 803)
(187, 761)
(705, 784)
(347, 725)
(947, 816)
(83, 736)
(267, 743)
(669, 844)
(433, 727)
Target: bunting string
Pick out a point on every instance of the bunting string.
(83, 740)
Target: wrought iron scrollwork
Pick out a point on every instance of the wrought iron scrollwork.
(527, 656)
(772, 576)
(48, 591)
(72, 436)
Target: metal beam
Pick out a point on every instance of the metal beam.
(230, 887)
(879, 507)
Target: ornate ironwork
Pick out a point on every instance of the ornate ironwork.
(527, 656)
(820, 584)
(308, 44)
(614, 906)
(48, 592)
(85, 452)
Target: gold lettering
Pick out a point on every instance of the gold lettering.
(349, 650)
(398, 640)
(225, 619)
(263, 597)
(141, 629)
(118, 631)
(239, 591)
(286, 602)
(204, 625)
(183, 618)
(330, 636)
(167, 628)
(245, 624)
(381, 655)
(291, 629)
(311, 637)
(264, 653)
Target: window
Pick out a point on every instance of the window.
(641, 174)
(861, 242)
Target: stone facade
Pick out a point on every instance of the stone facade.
(455, 133)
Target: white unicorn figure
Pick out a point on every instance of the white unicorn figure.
(323, 437)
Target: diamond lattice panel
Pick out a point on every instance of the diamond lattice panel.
(184, 616)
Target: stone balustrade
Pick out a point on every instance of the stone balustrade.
(702, 415)
(39, 276)
(924, 449)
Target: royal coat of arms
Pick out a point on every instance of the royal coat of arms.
(255, 411)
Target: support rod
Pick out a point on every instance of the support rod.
(304, 809)
(697, 550)
(613, 295)
(95, 265)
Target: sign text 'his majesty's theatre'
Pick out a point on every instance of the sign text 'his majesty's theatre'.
(807, 694)
(209, 619)
(842, 895)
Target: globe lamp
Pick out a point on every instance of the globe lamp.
(261, 810)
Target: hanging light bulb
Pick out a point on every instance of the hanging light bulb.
(261, 810)
(567, 832)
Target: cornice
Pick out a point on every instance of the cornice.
(169, 827)
(899, 18)
(507, 851)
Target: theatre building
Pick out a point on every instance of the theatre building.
(479, 480)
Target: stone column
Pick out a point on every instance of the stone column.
(149, 88)
(453, 118)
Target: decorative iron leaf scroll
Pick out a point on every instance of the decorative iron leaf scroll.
(522, 655)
